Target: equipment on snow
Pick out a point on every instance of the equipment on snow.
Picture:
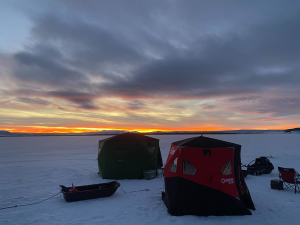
(262, 165)
(90, 191)
(290, 178)
(149, 174)
(73, 189)
(276, 184)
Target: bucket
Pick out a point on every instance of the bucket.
(149, 174)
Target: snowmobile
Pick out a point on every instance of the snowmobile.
(262, 165)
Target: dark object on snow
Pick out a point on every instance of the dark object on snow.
(203, 177)
(90, 191)
(290, 178)
(276, 184)
(73, 189)
(262, 165)
(245, 173)
(64, 189)
(128, 155)
(149, 174)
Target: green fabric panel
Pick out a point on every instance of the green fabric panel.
(102, 153)
(126, 159)
(154, 162)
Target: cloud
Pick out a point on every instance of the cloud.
(244, 55)
(136, 104)
(242, 99)
(74, 52)
(34, 101)
(44, 66)
(82, 99)
(88, 45)
(274, 107)
(208, 107)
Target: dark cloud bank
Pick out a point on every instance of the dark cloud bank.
(167, 49)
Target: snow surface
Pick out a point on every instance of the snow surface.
(33, 167)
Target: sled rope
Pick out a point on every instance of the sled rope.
(30, 203)
(132, 191)
(122, 189)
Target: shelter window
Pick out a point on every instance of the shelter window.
(206, 152)
(121, 151)
(151, 150)
(187, 168)
(227, 169)
(173, 166)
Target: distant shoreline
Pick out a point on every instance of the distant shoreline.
(159, 133)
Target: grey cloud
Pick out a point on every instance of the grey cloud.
(34, 101)
(178, 50)
(83, 100)
(225, 65)
(44, 67)
(242, 99)
(89, 44)
(86, 105)
(282, 106)
(136, 104)
(208, 106)
(274, 106)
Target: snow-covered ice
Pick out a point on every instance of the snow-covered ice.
(33, 167)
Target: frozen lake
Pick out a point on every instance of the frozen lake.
(33, 167)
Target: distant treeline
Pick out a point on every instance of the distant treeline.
(294, 129)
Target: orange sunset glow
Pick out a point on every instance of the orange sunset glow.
(36, 129)
(84, 130)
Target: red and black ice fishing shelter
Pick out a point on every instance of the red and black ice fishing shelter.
(203, 176)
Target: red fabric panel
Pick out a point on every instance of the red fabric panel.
(288, 175)
(208, 167)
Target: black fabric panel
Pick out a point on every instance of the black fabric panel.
(184, 197)
(159, 158)
(130, 137)
(181, 142)
(204, 142)
(241, 186)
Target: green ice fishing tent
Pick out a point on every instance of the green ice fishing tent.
(126, 156)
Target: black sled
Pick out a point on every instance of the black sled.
(90, 191)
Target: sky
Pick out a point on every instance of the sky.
(83, 66)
